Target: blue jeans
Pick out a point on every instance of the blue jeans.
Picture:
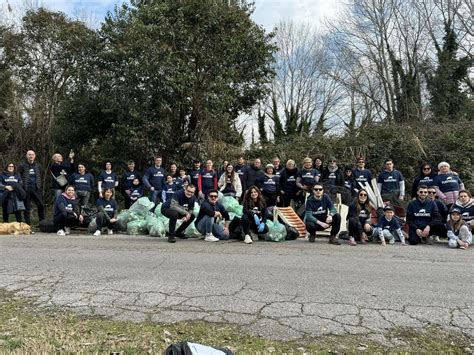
(207, 225)
(155, 196)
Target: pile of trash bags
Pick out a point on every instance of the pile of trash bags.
(144, 218)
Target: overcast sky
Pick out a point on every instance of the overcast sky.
(267, 12)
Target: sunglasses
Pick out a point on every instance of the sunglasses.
(426, 168)
(317, 189)
(431, 192)
(423, 192)
(362, 194)
(213, 196)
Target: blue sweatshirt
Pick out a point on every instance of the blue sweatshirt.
(82, 182)
(207, 181)
(391, 225)
(269, 184)
(7, 179)
(362, 176)
(65, 206)
(421, 213)
(108, 179)
(363, 215)
(182, 200)
(319, 209)
(128, 177)
(168, 191)
(447, 182)
(154, 177)
(308, 176)
(109, 207)
(390, 181)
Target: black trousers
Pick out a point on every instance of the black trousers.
(6, 215)
(36, 197)
(65, 221)
(248, 223)
(313, 227)
(356, 228)
(174, 215)
(102, 221)
(270, 198)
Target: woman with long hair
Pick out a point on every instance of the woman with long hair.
(229, 183)
(458, 232)
(12, 193)
(254, 214)
(359, 219)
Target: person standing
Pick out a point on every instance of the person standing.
(30, 172)
(207, 179)
(154, 180)
(12, 193)
(253, 174)
(360, 173)
(83, 183)
(288, 188)
(426, 178)
(229, 183)
(60, 171)
(127, 182)
(107, 179)
(307, 177)
(447, 184)
(391, 183)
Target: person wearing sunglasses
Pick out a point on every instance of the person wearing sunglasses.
(320, 214)
(180, 205)
(422, 214)
(332, 176)
(210, 214)
(12, 193)
(358, 218)
(426, 177)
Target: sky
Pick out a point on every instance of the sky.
(267, 12)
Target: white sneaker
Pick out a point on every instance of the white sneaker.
(248, 239)
(61, 233)
(67, 230)
(210, 238)
(97, 233)
(110, 231)
(436, 239)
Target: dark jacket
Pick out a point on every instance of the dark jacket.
(335, 178)
(208, 210)
(288, 181)
(24, 171)
(251, 177)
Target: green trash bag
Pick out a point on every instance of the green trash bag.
(230, 203)
(276, 233)
(122, 219)
(155, 227)
(239, 211)
(141, 207)
(192, 232)
(158, 210)
(137, 227)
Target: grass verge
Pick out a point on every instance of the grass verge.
(25, 328)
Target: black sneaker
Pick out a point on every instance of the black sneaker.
(312, 238)
(171, 239)
(181, 236)
(334, 240)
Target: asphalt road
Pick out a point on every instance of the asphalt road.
(276, 290)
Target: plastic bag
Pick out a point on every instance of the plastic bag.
(239, 211)
(155, 227)
(276, 233)
(137, 227)
(158, 210)
(141, 207)
(230, 203)
(191, 231)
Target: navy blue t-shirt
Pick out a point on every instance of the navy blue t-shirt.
(82, 182)
(110, 206)
(447, 182)
(390, 181)
(308, 176)
(319, 209)
(108, 179)
(391, 225)
(128, 177)
(361, 176)
(154, 177)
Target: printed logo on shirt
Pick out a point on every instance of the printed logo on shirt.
(186, 206)
(108, 179)
(81, 180)
(363, 213)
(332, 176)
(108, 208)
(68, 207)
(390, 179)
(422, 213)
(159, 173)
(11, 179)
(269, 182)
(32, 172)
(291, 179)
(320, 210)
(465, 215)
(449, 180)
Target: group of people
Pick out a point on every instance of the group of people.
(440, 204)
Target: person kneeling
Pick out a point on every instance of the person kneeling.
(320, 214)
(211, 212)
(66, 212)
(107, 216)
(254, 214)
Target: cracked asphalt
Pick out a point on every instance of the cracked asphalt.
(276, 290)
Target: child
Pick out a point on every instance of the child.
(388, 227)
(183, 180)
(169, 189)
(458, 232)
(136, 191)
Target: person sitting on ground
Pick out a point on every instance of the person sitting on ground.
(254, 214)
(83, 183)
(358, 218)
(207, 221)
(307, 177)
(107, 179)
(61, 171)
(465, 203)
(229, 183)
(128, 184)
(12, 193)
(107, 215)
(288, 188)
(270, 186)
(360, 173)
(320, 214)
(66, 212)
(180, 205)
(458, 232)
(388, 228)
(169, 189)
(207, 180)
(426, 178)
(422, 213)
(447, 184)
(391, 183)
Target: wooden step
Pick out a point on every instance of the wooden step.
(289, 216)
